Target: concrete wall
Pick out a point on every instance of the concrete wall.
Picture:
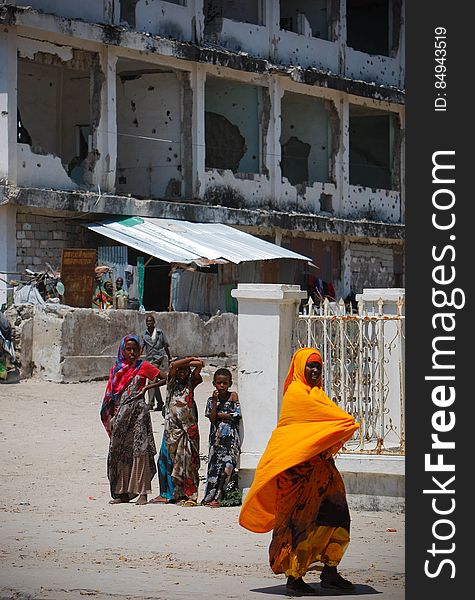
(164, 119)
(42, 170)
(41, 239)
(80, 344)
(379, 205)
(371, 266)
(58, 110)
(307, 48)
(149, 127)
(169, 19)
(89, 10)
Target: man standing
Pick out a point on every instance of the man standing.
(155, 346)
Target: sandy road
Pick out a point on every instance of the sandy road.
(61, 540)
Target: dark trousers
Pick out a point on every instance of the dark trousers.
(155, 398)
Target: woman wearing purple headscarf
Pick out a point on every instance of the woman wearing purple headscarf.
(126, 418)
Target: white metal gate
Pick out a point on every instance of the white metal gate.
(363, 368)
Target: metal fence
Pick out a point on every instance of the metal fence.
(363, 368)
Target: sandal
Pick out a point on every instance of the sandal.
(187, 503)
(159, 500)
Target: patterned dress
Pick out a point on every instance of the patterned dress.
(224, 449)
(179, 458)
(312, 517)
(131, 459)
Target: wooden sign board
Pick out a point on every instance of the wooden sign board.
(77, 275)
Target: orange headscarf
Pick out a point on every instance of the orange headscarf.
(309, 423)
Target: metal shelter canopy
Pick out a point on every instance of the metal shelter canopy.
(184, 242)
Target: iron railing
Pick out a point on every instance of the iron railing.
(363, 367)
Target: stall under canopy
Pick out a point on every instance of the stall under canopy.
(185, 243)
(206, 260)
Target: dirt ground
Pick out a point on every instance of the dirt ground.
(61, 540)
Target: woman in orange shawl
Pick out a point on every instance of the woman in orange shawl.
(297, 490)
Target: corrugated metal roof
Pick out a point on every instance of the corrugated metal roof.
(184, 242)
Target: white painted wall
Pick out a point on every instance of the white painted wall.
(296, 49)
(374, 204)
(255, 191)
(148, 107)
(164, 18)
(89, 10)
(39, 110)
(53, 102)
(245, 37)
(8, 105)
(185, 23)
(383, 70)
(42, 170)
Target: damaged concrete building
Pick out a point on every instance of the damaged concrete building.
(284, 119)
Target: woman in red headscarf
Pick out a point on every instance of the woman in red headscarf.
(126, 418)
(297, 490)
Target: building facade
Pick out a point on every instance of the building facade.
(282, 118)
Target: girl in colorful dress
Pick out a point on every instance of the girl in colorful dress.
(224, 412)
(126, 418)
(179, 457)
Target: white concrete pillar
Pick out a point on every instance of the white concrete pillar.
(198, 80)
(273, 148)
(341, 37)
(390, 354)
(7, 247)
(8, 105)
(272, 22)
(342, 160)
(106, 133)
(196, 9)
(266, 322)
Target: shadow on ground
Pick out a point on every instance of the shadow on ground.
(281, 590)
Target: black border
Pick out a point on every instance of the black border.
(428, 131)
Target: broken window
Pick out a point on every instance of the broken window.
(149, 130)
(232, 130)
(54, 110)
(295, 160)
(306, 139)
(245, 11)
(374, 148)
(373, 26)
(316, 18)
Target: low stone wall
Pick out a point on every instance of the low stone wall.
(68, 345)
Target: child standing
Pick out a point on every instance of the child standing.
(179, 458)
(224, 412)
